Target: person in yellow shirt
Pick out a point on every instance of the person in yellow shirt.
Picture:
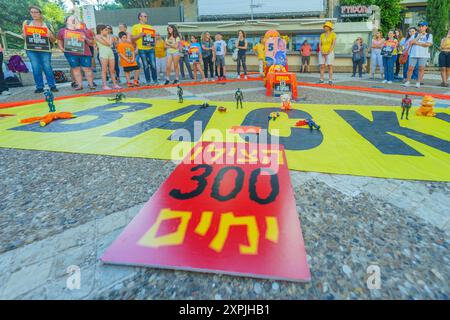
(143, 35)
(260, 51)
(161, 55)
(326, 51)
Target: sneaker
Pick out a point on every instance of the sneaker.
(93, 87)
(167, 82)
(406, 84)
(106, 88)
(130, 84)
(321, 81)
(418, 85)
(175, 81)
(384, 81)
(6, 93)
(117, 87)
(389, 82)
(39, 91)
(136, 83)
(54, 89)
(73, 84)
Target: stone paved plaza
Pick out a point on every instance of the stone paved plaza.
(61, 209)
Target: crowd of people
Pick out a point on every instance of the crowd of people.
(145, 49)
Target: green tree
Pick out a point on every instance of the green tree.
(390, 11)
(438, 16)
(53, 14)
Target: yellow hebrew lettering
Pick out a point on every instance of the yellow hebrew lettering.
(205, 223)
(171, 239)
(226, 221)
(266, 159)
(248, 157)
(272, 232)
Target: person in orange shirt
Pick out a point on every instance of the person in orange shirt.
(128, 59)
(305, 52)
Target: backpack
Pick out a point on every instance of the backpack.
(16, 64)
(60, 76)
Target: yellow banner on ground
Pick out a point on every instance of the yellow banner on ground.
(355, 140)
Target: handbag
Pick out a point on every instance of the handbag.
(404, 57)
(235, 54)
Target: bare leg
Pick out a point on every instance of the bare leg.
(330, 72)
(168, 67)
(322, 71)
(89, 76)
(112, 71)
(176, 62)
(76, 72)
(410, 72)
(104, 63)
(421, 73)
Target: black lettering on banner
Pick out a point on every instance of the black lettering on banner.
(377, 132)
(164, 122)
(300, 138)
(202, 183)
(104, 115)
(238, 183)
(274, 184)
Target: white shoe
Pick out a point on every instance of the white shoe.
(6, 93)
(385, 81)
(418, 85)
(389, 82)
(406, 84)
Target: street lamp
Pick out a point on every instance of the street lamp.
(254, 6)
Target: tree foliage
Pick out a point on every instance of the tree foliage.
(438, 16)
(390, 11)
(13, 13)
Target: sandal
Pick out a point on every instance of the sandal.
(78, 88)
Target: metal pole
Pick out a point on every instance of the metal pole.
(251, 7)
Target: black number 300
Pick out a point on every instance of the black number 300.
(238, 184)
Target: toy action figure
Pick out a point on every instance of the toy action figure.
(406, 105)
(204, 105)
(239, 96)
(310, 122)
(49, 98)
(180, 94)
(119, 97)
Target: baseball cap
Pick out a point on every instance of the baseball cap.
(423, 23)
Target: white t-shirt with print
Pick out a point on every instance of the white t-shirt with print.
(220, 47)
(419, 51)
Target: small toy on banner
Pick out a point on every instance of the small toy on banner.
(118, 98)
(45, 120)
(49, 98)
(180, 94)
(239, 96)
(308, 122)
(285, 102)
(274, 115)
(426, 109)
(204, 105)
(222, 109)
(406, 105)
(6, 115)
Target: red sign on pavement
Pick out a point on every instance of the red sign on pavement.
(227, 208)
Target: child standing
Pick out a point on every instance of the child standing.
(128, 59)
(195, 56)
(220, 49)
(260, 52)
(104, 43)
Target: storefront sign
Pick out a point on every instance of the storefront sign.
(355, 11)
(36, 38)
(227, 208)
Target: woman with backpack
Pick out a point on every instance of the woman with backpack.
(389, 54)
(405, 44)
(38, 46)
